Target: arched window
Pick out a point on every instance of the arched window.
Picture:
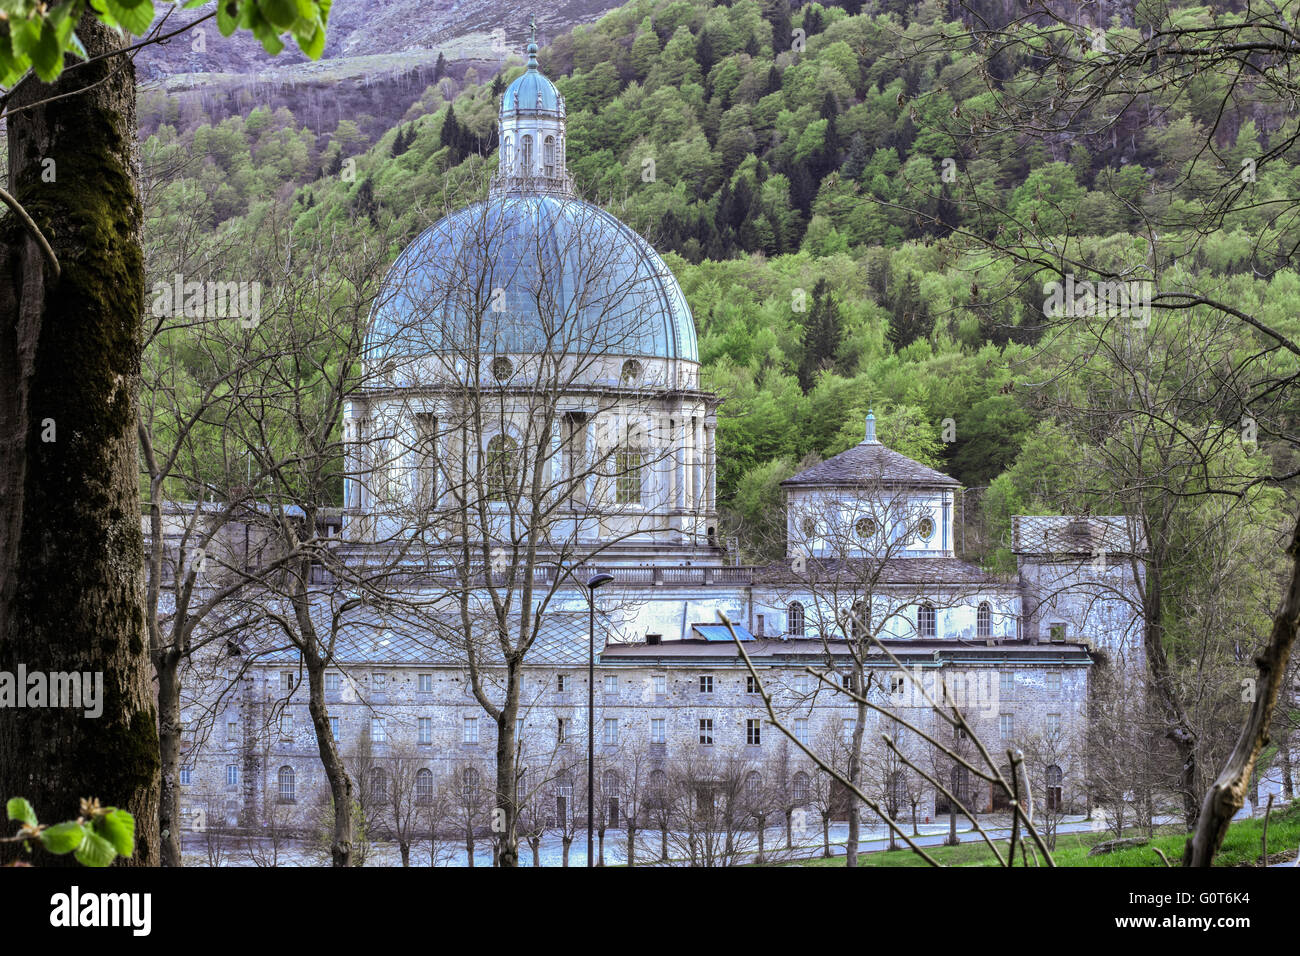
(508, 151)
(378, 784)
(548, 155)
(469, 785)
(753, 785)
(527, 163)
(794, 619)
(610, 785)
(802, 789)
(424, 787)
(629, 465)
(1054, 779)
(984, 620)
(658, 787)
(926, 623)
(286, 781)
(501, 460)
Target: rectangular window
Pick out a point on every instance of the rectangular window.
(802, 683)
(751, 684)
(286, 680)
(611, 684)
(1054, 681)
(561, 683)
(706, 730)
(1006, 682)
(559, 730)
(469, 733)
(706, 683)
(376, 679)
(187, 775)
(759, 624)
(846, 729)
(426, 730)
(331, 680)
(1053, 723)
(801, 730)
(232, 775)
(519, 729)
(753, 733)
(377, 732)
(611, 731)
(1006, 726)
(657, 730)
(661, 685)
(334, 728)
(628, 465)
(232, 730)
(426, 683)
(1056, 632)
(286, 724)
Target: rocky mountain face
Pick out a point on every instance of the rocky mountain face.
(482, 31)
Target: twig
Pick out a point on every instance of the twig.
(32, 228)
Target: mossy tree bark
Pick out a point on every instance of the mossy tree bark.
(70, 541)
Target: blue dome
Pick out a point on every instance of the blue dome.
(547, 273)
(532, 91)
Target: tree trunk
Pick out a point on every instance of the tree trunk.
(71, 550)
(405, 849)
(507, 786)
(568, 841)
(1288, 788)
(169, 744)
(536, 847)
(631, 844)
(789, 830)
(469, 847)
(341, 848)
(600, 839)
(1223, 799)
(826, 835)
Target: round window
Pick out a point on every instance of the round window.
(925, 528)
(866, 527)
(501, 368)
(631, 371)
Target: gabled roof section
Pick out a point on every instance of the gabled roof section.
(1076, 534)
(871, 463)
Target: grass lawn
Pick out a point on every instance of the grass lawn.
(1240, 847)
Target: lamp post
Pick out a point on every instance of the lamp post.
(596, 581)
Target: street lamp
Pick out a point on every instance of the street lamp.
(596, 581)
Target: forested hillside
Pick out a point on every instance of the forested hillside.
(806, 171)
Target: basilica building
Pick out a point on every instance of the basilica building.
(534, 418)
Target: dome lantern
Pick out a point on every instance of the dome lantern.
(532, 152)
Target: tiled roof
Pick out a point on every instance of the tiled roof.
(766, 649)
(373, 638)
(872, 463)
(936, 571)
(1076, 534)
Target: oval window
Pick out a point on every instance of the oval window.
(809, 527)
(925, 528)
(501, 368)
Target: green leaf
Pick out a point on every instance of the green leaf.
(315, 44)
(227, 17)
(47, 55)
(281, 14)
(96, 851)
(63, 837)
(135, 18)
(118, 827)
(22, 811)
